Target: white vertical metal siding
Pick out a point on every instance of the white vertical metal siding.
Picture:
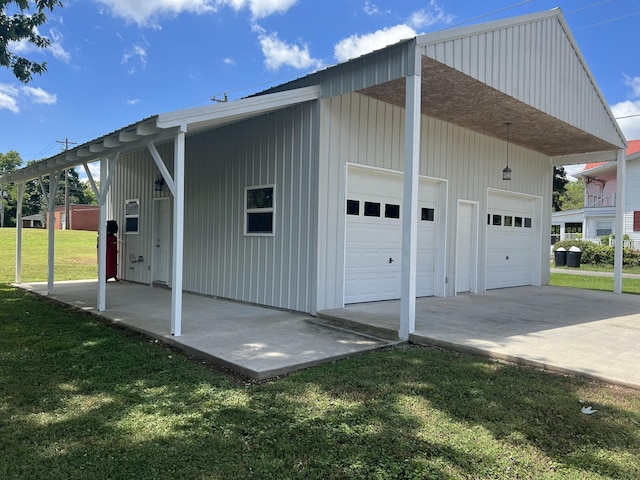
(134, 179)
(352, 130)
(536, 63)
(279, 148)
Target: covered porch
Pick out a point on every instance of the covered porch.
(254, 341)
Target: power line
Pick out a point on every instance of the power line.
(67, 219)
(508, 7)
(628, 116)
(588, 6)
(607, 21)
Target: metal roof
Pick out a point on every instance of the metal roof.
(162, 128)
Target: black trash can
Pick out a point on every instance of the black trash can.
(560, 257)
(573, 257)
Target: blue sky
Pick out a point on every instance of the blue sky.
(113, 62)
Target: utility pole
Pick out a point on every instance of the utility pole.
(67, 219)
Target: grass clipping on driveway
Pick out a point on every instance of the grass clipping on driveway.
(80, 399)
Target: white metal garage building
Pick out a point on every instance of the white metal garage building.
(378, 178)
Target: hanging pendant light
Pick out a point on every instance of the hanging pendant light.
(506, 171)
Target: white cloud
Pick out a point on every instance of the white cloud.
(57, 50)
(135, 57)
(266, 8)
(147, 13)
(631, 125)
(429, 16)
(370, 8)
(634, 83)
(40, 96)
(229, 61)
(357, 45)
(278, 53)
(12, 97)
(9, 97)
(56, 47)
(133, 101)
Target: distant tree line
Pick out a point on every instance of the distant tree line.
(33, 201)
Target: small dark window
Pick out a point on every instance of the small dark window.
(131, 225)
(497, 220)
(371, 209)
(260, 222)
(259, 210)
(518, 222)
(353, 207)
(427, 214)
(259, 198)
(527, 222)
(488, 219)
(508, 221)
(391, 211)
(131, 216)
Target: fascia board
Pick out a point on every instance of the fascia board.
(243, 108)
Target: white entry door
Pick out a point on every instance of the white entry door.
(161, 240)
(511, 221)
(373, 247)
(466, 241)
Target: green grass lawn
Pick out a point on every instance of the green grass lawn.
(629, 285)
(80, 399)
(75, 255)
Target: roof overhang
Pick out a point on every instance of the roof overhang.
(452, 96)
(163, 128)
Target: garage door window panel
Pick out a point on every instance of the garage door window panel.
(391, 210)
(428, 214)
(371, 209)
(353, 207)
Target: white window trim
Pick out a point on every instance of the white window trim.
(272, 209)
(137, 200)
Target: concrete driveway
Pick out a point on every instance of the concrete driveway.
(583, 332)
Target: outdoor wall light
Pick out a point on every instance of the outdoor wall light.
(506, 171)
(159, 184)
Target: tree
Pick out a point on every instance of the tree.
(23, 26)
(573, 197)
(9, 162)
(559, 185)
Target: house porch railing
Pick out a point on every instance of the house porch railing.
(601, 200)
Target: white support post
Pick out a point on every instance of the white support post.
(410, 199)
(19, 234)
(102, 237)
(621, 166)
(178, 232)
(107, 168)
(51, 203)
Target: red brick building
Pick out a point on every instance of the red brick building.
(82, 217)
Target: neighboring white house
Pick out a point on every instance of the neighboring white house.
(378, 178)
(597, 218)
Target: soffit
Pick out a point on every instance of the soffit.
(454, 97)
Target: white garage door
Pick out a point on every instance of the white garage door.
(374, 236)
(510, 240)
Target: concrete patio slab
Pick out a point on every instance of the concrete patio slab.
(255, 341)
(582, 332)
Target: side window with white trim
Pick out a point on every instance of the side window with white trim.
(259, 207)
(131, 216)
